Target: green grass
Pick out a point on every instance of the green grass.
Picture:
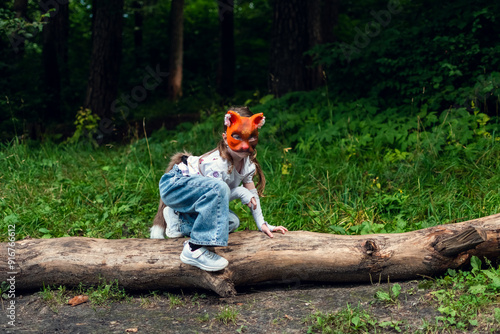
(175, 300)
(54, 298)
(50, 190)
(54, 191)
(389, 295)
(347, 320)
(227, 315)
(104, 293)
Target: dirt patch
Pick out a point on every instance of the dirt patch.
(261, 309)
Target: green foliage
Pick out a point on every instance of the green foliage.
(78, 191)
(54, 297)
(379, 170)
(352, 128)
(467, 298)
(104, 293)
(20, 29)
(346, 320)
(100, 295)
(390, 296)
(87, 125)
(174, 300)
(4, 288)
(426, 53)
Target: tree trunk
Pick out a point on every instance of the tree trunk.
(55, 58)
(289, 41)
(105, 59)
(227, 58)
(297, 28)
(174, 89)
(314, 72)
(142, 264)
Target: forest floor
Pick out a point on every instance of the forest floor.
(258, 309)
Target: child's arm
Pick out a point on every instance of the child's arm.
(254, 205)
(244, 195)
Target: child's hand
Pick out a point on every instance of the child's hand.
(267, 231)
(252, 204)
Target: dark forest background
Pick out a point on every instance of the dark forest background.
(105, 66)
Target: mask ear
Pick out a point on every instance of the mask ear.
(258, 120)
(231, 117)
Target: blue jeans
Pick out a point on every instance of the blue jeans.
(189, 218)
(202, 203)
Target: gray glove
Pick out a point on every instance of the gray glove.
(257, 213)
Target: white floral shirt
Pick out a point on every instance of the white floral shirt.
(212, 165)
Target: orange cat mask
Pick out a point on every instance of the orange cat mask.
(243, 132)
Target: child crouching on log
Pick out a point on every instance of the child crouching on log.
(195, 192)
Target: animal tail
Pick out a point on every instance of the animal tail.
(176, 159)
(159, 220)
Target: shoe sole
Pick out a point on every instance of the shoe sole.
(200, 265)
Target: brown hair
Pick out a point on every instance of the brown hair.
(222, 147)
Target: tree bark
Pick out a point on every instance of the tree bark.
(55, 58)
(297, 28)
(174, 89)
(142, 264)
(227, 58)
(315, 37)
(289, 41)
(107, 25)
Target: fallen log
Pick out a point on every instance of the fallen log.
(144, 264)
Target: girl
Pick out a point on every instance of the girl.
(195, 192)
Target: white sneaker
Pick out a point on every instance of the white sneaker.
(173, 223)
(203, 258)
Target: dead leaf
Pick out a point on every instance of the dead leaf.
(78, 300)
(131, 330)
